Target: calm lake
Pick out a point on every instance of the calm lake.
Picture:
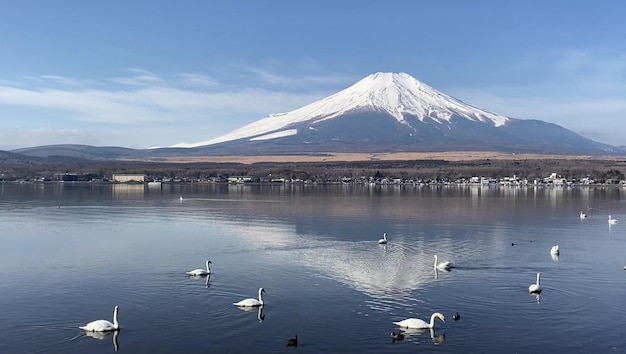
(70, 253)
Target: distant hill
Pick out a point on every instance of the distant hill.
(7, 157)
(82, 152)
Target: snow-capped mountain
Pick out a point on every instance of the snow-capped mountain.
(397, 94)
(395, 112)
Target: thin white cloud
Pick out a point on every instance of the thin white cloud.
(61, 80)
(299, 81)
(140, 101)
(139, 77)
(51, 80)
(198, 80)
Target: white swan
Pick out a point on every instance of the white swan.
(582, 215)
(383, 240)
(252, 302)
(535, 288)
(103, 325)
(555, 249)
(416, 323)
(612, 221)
(443, 265)
(200, 271)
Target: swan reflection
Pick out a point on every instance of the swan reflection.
(437, 270)
(103, 335)
(537, 297)
(207, 282)
(260, 315)
(555, 256)
(412, 332)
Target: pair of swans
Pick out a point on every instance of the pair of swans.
(443, 265)
(250, 302)
(103, 325)
(612, 221)
(416, 323)
(201, 272)
(535, 288)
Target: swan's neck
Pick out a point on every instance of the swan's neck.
(261, 295)
(537, 279)
(385, 236)
(435, 263)
(208, 268)
(115, 323)
(432, 321)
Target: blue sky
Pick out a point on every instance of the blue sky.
(155, 73)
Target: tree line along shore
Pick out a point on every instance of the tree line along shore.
(598, 170)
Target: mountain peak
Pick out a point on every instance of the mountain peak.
(400, 93)
(396, 94)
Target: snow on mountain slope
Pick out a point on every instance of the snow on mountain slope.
(396, 94)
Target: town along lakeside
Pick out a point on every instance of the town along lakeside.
(451, 168)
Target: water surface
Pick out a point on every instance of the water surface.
(69, 253)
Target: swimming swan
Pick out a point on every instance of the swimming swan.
(555, 249)
(200, 271)
(612, 221)
(582, 215)
(383, 240)
(416, 323)
(252, 302)
(103, 325)
(443, 265)
(535, 288)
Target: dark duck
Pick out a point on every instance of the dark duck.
(293, 342)
(396, 336)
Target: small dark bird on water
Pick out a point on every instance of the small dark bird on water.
(396, 336)
(456, 316)
(293, 342)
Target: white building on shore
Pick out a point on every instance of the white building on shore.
(128, 178)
